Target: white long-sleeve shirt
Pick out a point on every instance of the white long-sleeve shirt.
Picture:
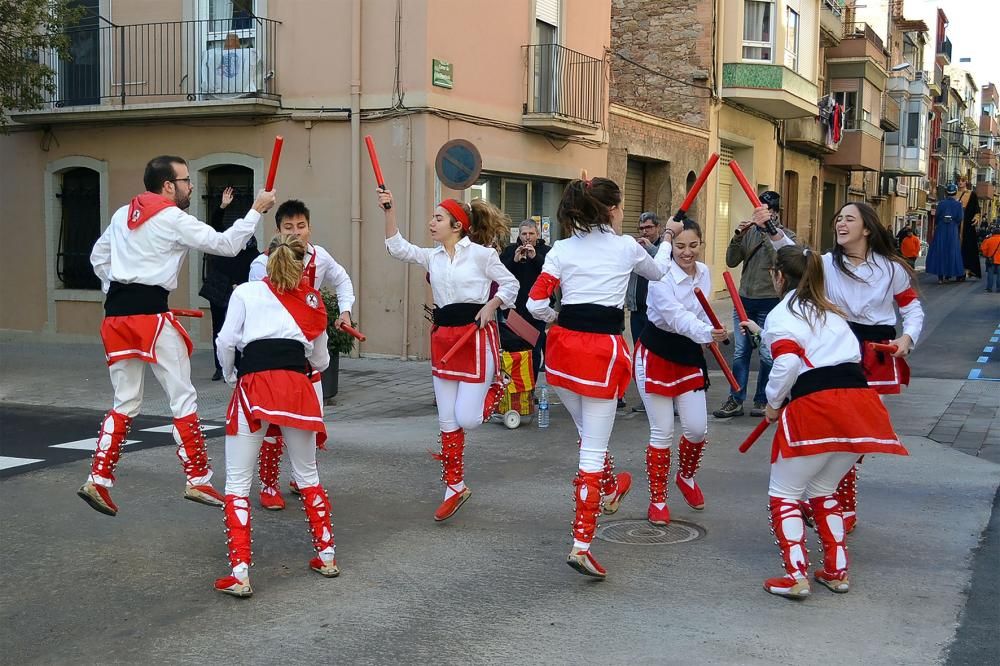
(823, 342)
(464, 278)
(672, 306)
(594, 268)
(153, 253)
(329, 274)
(255, 313)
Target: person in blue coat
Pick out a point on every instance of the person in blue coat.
(944, 257)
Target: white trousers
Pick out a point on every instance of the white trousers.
(172, 370)
(691, 407)
(594, 419)
(805, 477)
(243, 447)
(460, 404)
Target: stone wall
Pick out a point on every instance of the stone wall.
(669, 36)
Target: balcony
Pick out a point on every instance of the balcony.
(773, 90)
(860, 55)
(860, 148)
(944, 51)
(162, 70)
(831, 21)
(564, 92)
(909, 159)
(808, 135)
(889, 121)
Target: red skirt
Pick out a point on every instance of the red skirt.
(468, 364)
(134, 336)
(277, 397)
(667, 378)
(848, 420)
(885, 373)
(597, 365)
(315, 377)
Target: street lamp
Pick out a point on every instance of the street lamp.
(900, 67)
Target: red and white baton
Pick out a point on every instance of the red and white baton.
(353, 332)
(197, 314)
(754, 435)
(373, 156)
(275, 156)
(751, 194)
(693, 192)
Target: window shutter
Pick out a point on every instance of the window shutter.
(547, 11)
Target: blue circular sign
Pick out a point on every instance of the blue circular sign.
(458, 164)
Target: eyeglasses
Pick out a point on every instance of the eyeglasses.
(647, 227)
(177, 180)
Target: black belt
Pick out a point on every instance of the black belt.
(674, 347)
(843, 375)
(274, 354)
(590, 318)
(457, 314)
(872, 332)
(135, 299)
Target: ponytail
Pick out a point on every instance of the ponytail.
(489, 226)
(284, 261)
(803, 271)
(586, 204)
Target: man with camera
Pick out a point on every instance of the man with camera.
(524, 259)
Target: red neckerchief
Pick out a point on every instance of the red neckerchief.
(145, 206)
(305, 304)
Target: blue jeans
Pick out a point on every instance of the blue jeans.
(757, 309)
(992, 275)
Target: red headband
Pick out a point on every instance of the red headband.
(457, 212)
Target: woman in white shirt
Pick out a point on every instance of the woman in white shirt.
(277, 324)
(816, 379)
(670, 368)
(463, 268)
(586, 358)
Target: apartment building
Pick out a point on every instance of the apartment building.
(524, 81)
(987, 167)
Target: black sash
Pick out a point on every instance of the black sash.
(457, 314)
(135, 299)
(590, 318)
(674, 347)
(844, 375)
(872, 332)
(274, 354)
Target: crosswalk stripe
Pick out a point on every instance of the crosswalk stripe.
(170, 428)
(86, 444)
(6, 462)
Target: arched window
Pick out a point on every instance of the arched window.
(217, 179)
(79, 197)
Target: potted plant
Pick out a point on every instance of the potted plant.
(338, 343)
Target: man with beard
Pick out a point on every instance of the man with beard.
(138, 259)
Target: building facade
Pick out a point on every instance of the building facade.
(987, 166)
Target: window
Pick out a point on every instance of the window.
(758, 30)
(234, 54)
(79, 228)
(80, 76)
(913, 129)
(849, 101)
(522, 197)
(792, 40)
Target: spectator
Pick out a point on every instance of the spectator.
(944, 257)
(638, 286)
(752, 247)
(223, 274)
(909, 246)
(991, 250)
(524, 259)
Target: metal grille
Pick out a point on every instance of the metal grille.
(79, 228)
(642, 533)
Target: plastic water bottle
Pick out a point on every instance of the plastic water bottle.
(543, 408)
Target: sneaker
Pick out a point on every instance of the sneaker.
(204, 494)
(624, 484)
(758, 409)
(98, 497)
(787, 586)
(729, 410)
(584, 562)
(835, 582)
(327, 569)
(234, 586)
(451, 505)
(639, 409)
(658, 516)
(271, 499)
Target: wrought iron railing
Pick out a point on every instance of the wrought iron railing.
(944, 48)
(167, 61)
(861, 29)
(563, 82)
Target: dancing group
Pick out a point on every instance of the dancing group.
(272, 348)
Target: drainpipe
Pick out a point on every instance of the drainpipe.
(405, 346)
(356, 158)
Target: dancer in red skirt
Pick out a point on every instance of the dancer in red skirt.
(670, 368)
(321, 270)
(463, 268)
(587, 360)
(868, 280)
(138, 259)
(276, 324)
(816, 379)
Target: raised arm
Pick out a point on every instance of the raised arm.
(541, 292)
(193, 233)
(399, 247)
